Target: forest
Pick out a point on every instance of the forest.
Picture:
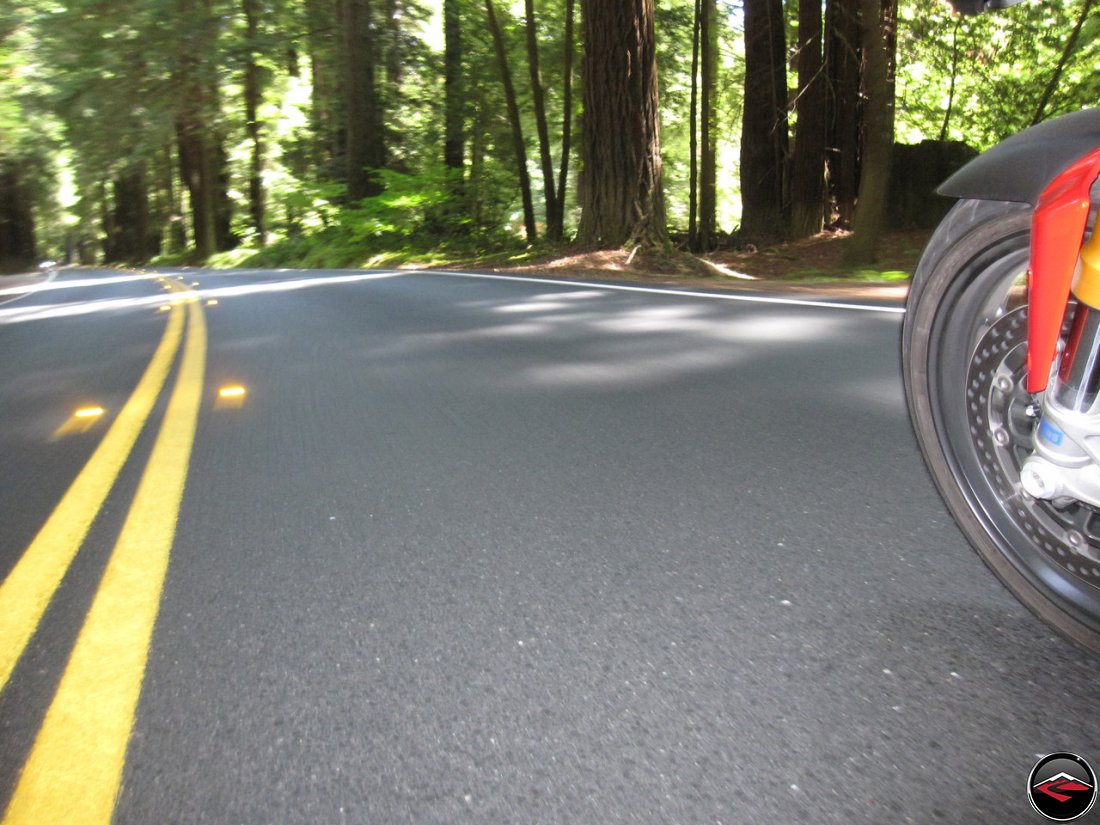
(367, 132)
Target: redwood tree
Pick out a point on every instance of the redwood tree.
(621, 196)
(366, 149)
(808, 157)
(878, 36)
(764, 121)
(518, 144)
(842, 71)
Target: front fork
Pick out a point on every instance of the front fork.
(1065, 462)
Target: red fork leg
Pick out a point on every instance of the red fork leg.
(1057, 230)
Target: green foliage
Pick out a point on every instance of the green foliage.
(1001, 64)
(91, 91)
(409, 222)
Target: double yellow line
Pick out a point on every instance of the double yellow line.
(74, 770)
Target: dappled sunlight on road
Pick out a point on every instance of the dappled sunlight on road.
(596, 340)
(22, 313)
(76, 283)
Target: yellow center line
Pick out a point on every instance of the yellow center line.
(26, 592)
(75, 767)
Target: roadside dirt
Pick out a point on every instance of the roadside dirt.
(811, 266)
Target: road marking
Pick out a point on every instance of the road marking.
(79, 422)
(75, 768)
(682, 293)
(26, 592)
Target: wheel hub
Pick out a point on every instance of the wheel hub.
(1001, 418)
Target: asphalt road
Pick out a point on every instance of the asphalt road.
(480, 550)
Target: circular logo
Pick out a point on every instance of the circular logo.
(1062, 787)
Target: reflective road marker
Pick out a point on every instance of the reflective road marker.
(75, 768)
(27, 590)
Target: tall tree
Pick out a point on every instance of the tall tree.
(538, 96)
(878, 36)
(842, 70)
(764, 121)
(518, 144)
(204, 162)
(693, 132)
(708, 137)
(622, 201)
(808, 155)
(567, 112)
(324, 41)
(17, 228)
(454, 134)
(366, 149)
(253, 97)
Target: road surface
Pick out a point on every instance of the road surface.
(469, 549)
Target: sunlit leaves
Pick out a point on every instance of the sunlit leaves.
(1001, 63)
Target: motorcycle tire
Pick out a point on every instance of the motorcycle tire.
(964, 345)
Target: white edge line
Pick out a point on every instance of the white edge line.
(752, 299)
(17, 293)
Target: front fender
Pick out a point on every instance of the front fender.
(1051, 166)
(1023, 166)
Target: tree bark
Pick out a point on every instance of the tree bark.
(567, 112)
(808, 157)
(622, 201)
(366, 152)
(764, 122)
(553, 227)
(327, 99)
(842, 68)
(454, 137)
(693, 133)
(945, 128)
(17, 225)
(518, 143)
(253, 96)
(128, 228)
(878, 21)
(708, 160)
(197, 169)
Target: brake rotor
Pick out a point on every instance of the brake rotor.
(1002, 416)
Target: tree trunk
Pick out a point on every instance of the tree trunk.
(366, 152)
(1071, 44)
(945, 128)
(253, 96)
(878, 21)
(518, 143)
(567, 112)
(197, 172)
(454, 137)
(128, 229)
(693, 133)
(327, 99)
(764, 123)
(17, 229)
(621, 194)
(223, 204)
(708, 138)
(553, 228)
(394, 59)
(843, 72)
(808, 157)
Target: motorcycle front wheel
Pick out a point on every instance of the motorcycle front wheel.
(964, 348)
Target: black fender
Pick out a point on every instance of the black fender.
(1021, 167)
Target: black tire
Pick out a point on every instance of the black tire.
(963, 348)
